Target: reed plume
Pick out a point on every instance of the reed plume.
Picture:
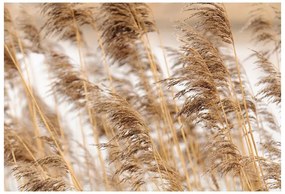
(131, 132)
(63, 19)
(272, 81)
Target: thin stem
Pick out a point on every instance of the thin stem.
(92, 121)
(75, 181)
(261, 178)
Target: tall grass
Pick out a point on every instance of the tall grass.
(199, 128)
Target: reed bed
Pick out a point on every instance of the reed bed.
(119, 119)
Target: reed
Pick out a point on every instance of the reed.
(114, 118)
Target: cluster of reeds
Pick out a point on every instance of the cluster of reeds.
(198, 128)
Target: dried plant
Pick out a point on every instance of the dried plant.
(121, 26)
(263, 28)
(36, 178)
(272, 81)
(131, 133)
(63, 19)
(89, 105)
